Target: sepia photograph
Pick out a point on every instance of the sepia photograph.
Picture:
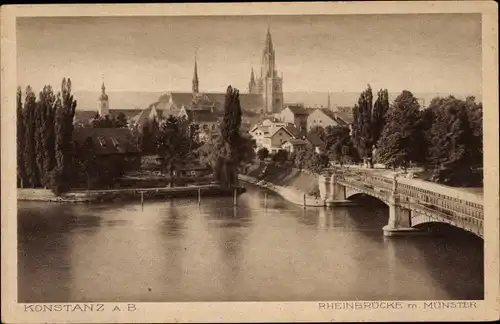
(333, 158)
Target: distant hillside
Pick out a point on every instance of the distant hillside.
(87, 100)
(340, 99)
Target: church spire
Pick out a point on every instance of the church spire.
(269, 42)
(195, 76)
(251, 84)
(103, 103)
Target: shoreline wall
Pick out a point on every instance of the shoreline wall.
(290, 194)
(120, 194)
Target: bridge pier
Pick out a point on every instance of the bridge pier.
(332, 193)
(399, 217)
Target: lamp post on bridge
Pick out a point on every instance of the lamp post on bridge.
(394, 184)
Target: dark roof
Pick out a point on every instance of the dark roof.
(292, 130)
(313, 138)
(201, 115)
(329, 113)
(84, 115)
(345, 116)
(297, 110)
(129, 113)
(143, 116)
(297, 142)
(107, 140)
(181, 98)
(250, 103)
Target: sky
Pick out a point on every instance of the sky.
(420, 53)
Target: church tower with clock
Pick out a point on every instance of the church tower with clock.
(269, 84)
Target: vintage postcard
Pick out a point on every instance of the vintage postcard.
(257, 162)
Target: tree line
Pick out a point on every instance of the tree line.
(47, 156)
(44, 137)
(445, 138)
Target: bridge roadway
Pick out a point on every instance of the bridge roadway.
(411, 202)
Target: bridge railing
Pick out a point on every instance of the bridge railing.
(443, 203)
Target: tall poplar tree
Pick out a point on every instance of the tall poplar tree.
(362, 125)
(225, 152)
(48, 112)
(29, 155)
(21, 172)
(380, 109)
(65, 112)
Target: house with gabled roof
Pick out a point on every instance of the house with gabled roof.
(295, 114)
(207, 121)
(322, 117)
(295, 145)
(271, 134)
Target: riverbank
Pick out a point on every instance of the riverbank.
(89, 196)
(298, 187)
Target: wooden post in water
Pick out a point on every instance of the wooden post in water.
(199, 196)
(235, 193)
(304, 201)
(265, 200)
(142, 198)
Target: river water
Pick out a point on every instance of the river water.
(179, 251)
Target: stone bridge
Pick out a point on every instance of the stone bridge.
(411, 202)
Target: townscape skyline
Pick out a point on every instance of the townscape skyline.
(438, 53)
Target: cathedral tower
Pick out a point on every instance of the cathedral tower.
(269, 84)
(103, 107)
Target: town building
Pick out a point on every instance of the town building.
(271, 134)
(296, 145)
(206, 120)
(295, 114)
(322, 117)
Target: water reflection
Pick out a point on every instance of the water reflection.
(177, 250)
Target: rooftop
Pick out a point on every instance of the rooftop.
(106, 141)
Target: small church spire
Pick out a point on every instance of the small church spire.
(252, 84)
(195, 76)
(329, 103)
(103, 103)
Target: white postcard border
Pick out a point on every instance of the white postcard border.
(12, 312)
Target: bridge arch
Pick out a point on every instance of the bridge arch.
(357, 195)
(419, 220)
